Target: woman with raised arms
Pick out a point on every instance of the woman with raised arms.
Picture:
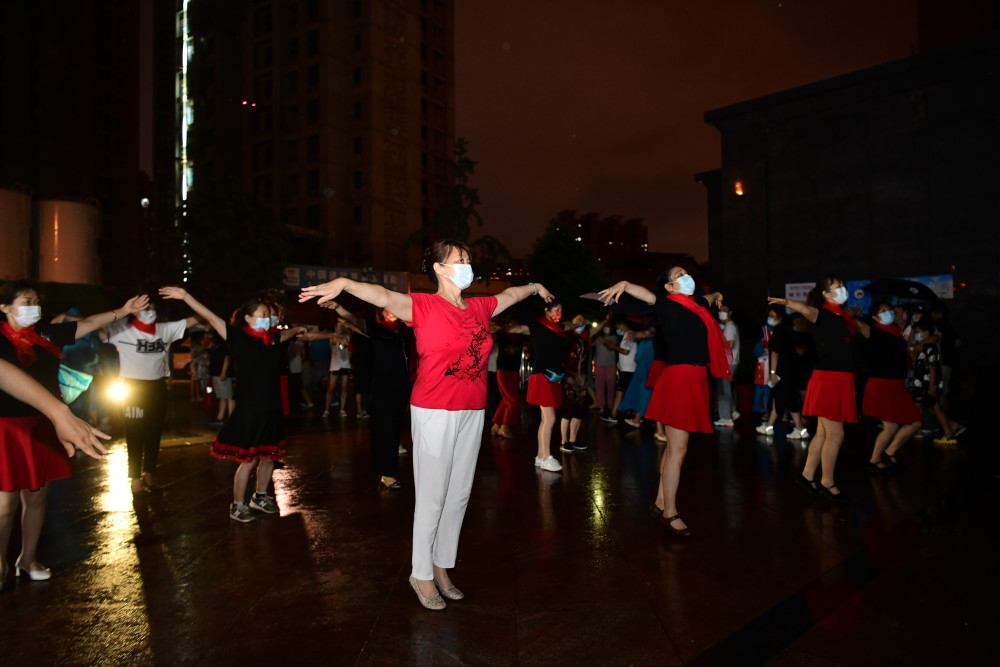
(447, 403)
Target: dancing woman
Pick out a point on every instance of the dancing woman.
(680, 400)
(254, 436)
(830, 394)
(886, 397)
(31, 454)
(447, 403)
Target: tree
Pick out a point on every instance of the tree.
(227, 246)
(567, 267)
(457, 215)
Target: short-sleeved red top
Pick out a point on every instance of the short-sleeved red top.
(454, 348)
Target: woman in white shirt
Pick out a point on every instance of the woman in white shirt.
(142, 345)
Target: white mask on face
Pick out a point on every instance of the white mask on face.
(918, 337)
(771, 322)
(886, 317)
(840, 295)
(723, 316)
(146, 316)
(685, 285)
(262, 323)
(27, 315)
(463, 275)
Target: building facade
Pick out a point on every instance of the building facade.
(337, 115)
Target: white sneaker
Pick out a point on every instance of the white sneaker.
(403, 450)
(550, 464)
(724, 423)
(764, 429)
(538, 462)
(736, 415)
(798, 434)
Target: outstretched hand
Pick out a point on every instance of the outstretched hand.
(325, 292)
(74, 433)
(613, 293)
(136, 304)
(776, 301)
(547, 296)
(171, 292)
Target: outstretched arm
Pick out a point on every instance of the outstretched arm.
(804, 309)
(95, 322)
(347, 315)
(73, 433)
(396, 303)
(613, 293)
(513, 295)
(202, 311)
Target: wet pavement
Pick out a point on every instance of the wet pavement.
(558, 569)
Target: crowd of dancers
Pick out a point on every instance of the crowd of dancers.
(661, 372)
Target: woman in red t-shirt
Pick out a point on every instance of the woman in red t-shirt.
(447, 403)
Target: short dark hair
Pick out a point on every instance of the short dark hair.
(437, 252)
(13, 288)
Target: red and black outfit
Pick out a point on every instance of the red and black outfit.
(549, 342)
(830, 393)
(694, 346)
(30, 453)
(886, 397)
(256, 428)
(574, 384)
(509, 350)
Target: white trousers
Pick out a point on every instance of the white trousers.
(445, 450)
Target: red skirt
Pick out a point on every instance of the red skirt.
(543, 393)
(831, 395)
(889, 401)
(680, 399)
(30, 454)
(655, 369)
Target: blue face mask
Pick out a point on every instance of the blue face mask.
(887, 317)
(771, 322)
(685, 285)
(918, 337)
(580, 328)
(273, 320)
(262, 323)
(463, 275)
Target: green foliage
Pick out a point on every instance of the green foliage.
(567, 267)
(457, 215)
(229, 246)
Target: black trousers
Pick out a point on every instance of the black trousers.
(145, 413)
(389, 410)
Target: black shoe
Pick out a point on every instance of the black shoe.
(877, 468)
(830, 495)
(807, 484)
(579, 446)
(566, 448)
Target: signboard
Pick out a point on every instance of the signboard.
(298, 276)
(798, 291)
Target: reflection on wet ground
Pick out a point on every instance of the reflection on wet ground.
(558, 568)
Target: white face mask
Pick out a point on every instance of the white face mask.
(886, 317)
(723, 316)
(918, 337)
(840, 295)
(263, 323)
(273, 320)
(771, 322)
(147, 316)
(463, 275)
(607, 331)
(27, 315)
(685, 285)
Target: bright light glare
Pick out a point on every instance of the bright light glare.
(118, 391)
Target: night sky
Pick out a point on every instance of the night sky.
(598, 105)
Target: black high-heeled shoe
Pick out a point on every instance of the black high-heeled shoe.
(676, 532)
(827, 491)
(807, 484)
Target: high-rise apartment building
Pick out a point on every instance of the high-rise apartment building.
(338, 115)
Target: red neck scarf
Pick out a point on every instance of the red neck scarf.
(720, 355)
(889, 329)
(849, 320)
(267, 337)
(145, 328)
(552, 326)
(24, 342)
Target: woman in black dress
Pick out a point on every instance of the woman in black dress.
(254, 436)
(830, 395)
(886, 396)
(694, 347)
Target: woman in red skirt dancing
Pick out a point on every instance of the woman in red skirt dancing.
(886, 396)
(694, 346)
(830, 394)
